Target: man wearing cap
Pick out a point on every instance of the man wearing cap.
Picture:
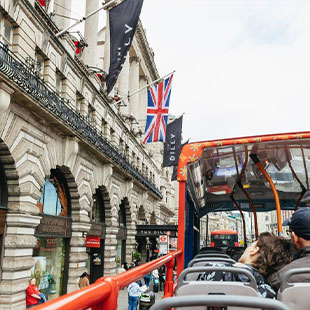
(299, 227)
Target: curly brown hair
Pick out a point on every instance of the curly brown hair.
(273, 254)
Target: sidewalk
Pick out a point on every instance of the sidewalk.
(122, 303)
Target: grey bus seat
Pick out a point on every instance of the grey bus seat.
(186, 276)
(295, 294)
(199, 302)
(210, 249)
(211, 255)
(204, 260)
(188, 287)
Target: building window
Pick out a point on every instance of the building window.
(6, 31)
(98, 212)
(91, 115)
(59, 81)
(122, 215)
(54, 199)
(39, 65)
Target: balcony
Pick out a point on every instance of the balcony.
(26, 79)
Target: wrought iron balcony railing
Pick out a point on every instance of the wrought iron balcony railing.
(25, 77)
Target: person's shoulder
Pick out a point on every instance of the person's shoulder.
(299, 262)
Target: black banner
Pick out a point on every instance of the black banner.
(174, 175)
(123, 22)
(172, 146)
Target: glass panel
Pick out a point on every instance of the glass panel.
(58, 84)
(48, 269)
(118, 258)
(50, 200)
(7, 29)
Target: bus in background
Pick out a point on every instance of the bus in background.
(224, 238)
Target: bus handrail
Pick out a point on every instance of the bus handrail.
(103, 293)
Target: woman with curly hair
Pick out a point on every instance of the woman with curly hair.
(263, 257)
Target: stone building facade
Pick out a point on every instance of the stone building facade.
(73, 169)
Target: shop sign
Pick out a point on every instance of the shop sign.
(163, 239)
(54, 226)
(97, 259)
(97, 229)
(93, 242)
(157, 230)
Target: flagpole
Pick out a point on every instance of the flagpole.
(85, 17)
(130, 95)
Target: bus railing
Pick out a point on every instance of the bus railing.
(103, 294)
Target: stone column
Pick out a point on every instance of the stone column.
(141, 117)
(78, 256)
(163, 191)
(62, 7)
(110, 246)
(106, 131)
(19, 242)
(123, 85)
(143, 243)
(90, 33)
(134, 86)
(130, 241)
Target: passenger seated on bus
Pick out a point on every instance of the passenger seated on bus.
(265, 256)
(299, 227)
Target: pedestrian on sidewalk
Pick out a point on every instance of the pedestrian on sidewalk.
(134, 292)
(83, 280)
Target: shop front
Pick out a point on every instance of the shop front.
(95, 250)
(51, 254)
(121, 237)
(148, 241)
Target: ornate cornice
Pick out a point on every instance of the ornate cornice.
(18, 73)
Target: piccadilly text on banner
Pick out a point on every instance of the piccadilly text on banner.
(172, 146)
(123, 22)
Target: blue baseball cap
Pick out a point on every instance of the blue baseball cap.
(299, 222)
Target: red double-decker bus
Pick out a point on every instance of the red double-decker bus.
(224, 238)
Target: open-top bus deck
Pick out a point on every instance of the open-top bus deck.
(249, 174)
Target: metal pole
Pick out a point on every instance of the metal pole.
(84, 18)
(119, 101)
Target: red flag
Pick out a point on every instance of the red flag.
(42, 2)
(77, 45)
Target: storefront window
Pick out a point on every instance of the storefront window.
(48, 270)
(118, 258)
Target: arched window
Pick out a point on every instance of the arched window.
(55, 195)
(122, 215)
(98, 212)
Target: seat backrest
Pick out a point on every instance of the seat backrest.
(185, 276)
(210, 249)
(200, 302)
(212, 255)
(295, 294)
(204, 260)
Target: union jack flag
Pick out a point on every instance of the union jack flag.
(158, 98)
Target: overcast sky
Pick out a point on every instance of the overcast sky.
(242, 67)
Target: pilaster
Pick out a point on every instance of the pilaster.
(19, 242)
